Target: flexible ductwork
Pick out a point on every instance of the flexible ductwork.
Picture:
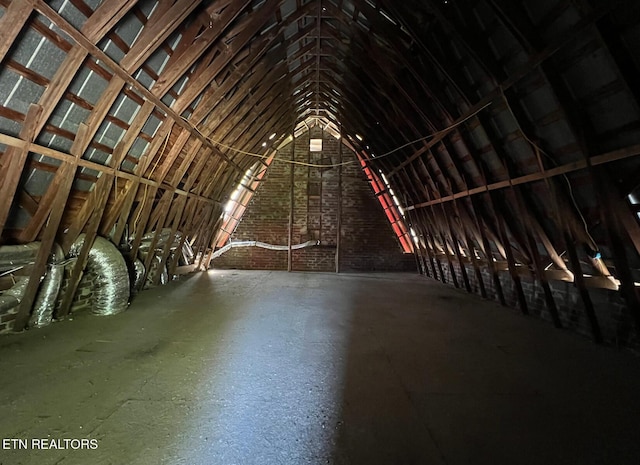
(263, 245)
(156, 267)
(14, 256)
(164, 237)
(138, 275)
(13, 296)
(111, 291)
(45, 303)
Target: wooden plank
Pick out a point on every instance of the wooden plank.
(90, 235)
(534, 62)
(190, 212)
(339, 209)
(142, 217)
(155, 32)
(163, 209)
(291, 207)
(604, 158)
(11, 23)
(105, 18)
(84, 214)
(524, 208)
(471, 251)
(123, 75)
(16, 158)
(62, 187)
(186, 56)
(179, 208)
(58, 155)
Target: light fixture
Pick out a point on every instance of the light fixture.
(271, 137)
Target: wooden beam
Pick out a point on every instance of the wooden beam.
(62, 187)
(604, 158)
(16, 157)
(11, 23)
(90, 235)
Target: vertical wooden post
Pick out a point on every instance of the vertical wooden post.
(339, 213)
(291, 201)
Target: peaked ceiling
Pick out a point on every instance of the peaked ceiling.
(121, 117)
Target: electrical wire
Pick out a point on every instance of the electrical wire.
(538, 149)
(335, 165)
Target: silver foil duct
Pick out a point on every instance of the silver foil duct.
(156, 267)
(13, 296)
(12, 256)
(164, 237)
(111, 291)
(138, 275)
(45, 303)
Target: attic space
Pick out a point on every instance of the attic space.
(319, 231)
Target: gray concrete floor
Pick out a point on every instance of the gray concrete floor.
(267, 368)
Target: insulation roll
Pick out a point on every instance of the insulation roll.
(111, 291)
(46, 299)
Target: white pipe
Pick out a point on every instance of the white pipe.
(263, 245)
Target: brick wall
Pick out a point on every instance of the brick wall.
(367, 240)
(615, 321)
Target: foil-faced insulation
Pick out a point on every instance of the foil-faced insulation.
(263, 245)
(13, 296)
(137, 275)
(15, 256)
(111, 291)
(164, 237)
(156, 267)
(45, 303)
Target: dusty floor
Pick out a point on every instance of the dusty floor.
(276, 368)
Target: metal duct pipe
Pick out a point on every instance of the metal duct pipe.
(263, 245)
(164, 237)
(12, 256)
(156, 267)
(111, 292)
(138, 275)
(47, 295)
(12, 296)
